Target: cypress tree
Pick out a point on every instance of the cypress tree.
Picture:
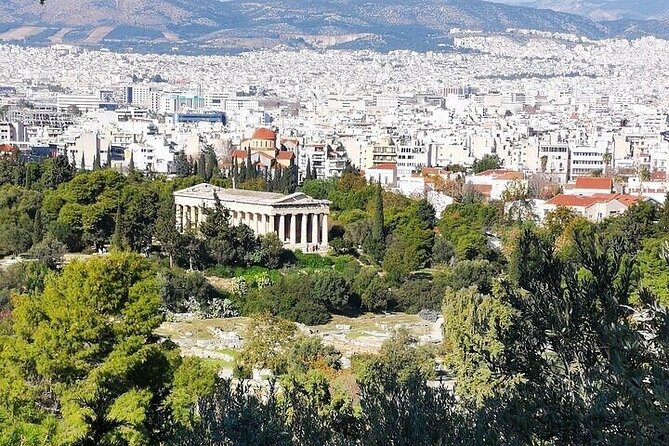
(293, 174)
(375, 244)
(379, 222)
(27, 182)
(38, 228)
(250, 174)
(83, 161)
(117, 238)
(131, 163)
(96, 162)
(307, 175)
(201, 167)
(314, 175)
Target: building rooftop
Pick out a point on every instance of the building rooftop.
(384, 166)
(207, 191)
(264, 134)
(587, 201)
(594, 183)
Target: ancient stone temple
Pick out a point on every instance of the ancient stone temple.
(300, 221)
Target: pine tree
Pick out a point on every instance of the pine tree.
(181, 164)
(117, 238)
(38, 228)
(166, 231)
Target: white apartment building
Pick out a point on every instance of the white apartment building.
(141, 96)
(554, 159)
(412, 156)
(585, 160)
(241, 103)
(152, 154)
(84, 103)
(85, 147)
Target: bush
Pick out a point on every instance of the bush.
(309, 312)
(443, 251)
(331, 289)
(191, 292)
(272, 250)
(378, 296)
(313, 261)
(224, 272)
(416, 295)
(466, 273)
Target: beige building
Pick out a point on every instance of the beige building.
(301, 222)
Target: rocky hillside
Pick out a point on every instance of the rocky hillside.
(212, 24)
(605, 10)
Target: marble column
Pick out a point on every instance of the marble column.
(293, 229)
(272, 224)
(180, 217)
(203, 215)
(258, 226)
(326, 230)
(187, 214)
(282, 227)
(303, 227)
(193, 216)
(314, 229)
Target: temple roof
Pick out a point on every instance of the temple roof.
(207, 191)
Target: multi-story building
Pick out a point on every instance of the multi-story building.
(554, 159)
(585, 160)
(412, 156)
(84, 103)
(382, 152)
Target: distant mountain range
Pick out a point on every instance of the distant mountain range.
(604, 10)
(216, 25)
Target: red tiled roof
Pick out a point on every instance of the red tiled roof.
(285, 155)
(483, 189)
(510, 176)
(384, 166)
(264, 134)
(582, 201)
(430, 170)
(8, 148)
(572, 201)
(594, 183)
(658, 175)
(628, 200)
(240, 154)
(491, 172)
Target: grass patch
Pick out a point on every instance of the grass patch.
(313, 261)
(219, 363)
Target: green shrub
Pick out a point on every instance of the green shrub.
(313, 261)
